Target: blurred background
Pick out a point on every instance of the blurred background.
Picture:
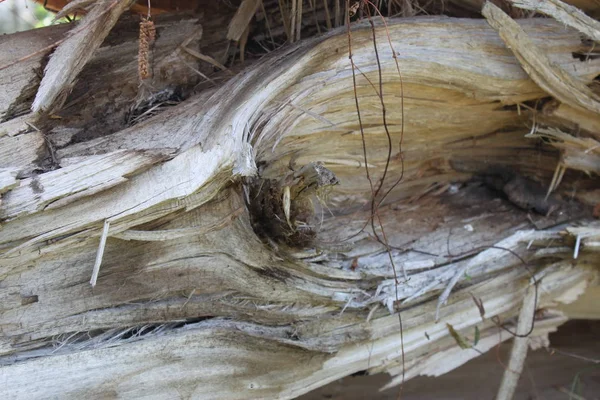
(22, 15)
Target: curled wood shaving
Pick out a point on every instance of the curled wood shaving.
(548, 75)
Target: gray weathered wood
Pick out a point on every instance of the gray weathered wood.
(193, 299)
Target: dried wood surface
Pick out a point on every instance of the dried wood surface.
(553, 79)
(73, 53)
(225, 313)
(565, 13)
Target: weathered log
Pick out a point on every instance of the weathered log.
(211, 285)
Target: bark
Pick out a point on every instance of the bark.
(211, 284)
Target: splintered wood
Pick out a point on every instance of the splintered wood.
(555, 80)
(565, 13)
(187, 221)
(72, 54)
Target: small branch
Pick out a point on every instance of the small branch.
(519, 350)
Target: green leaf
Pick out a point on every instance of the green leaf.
(476, 340)
(460, 341)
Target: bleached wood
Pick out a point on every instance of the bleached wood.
(100, 253)
(74, 52)
(208, 353)
(565, 13)
(8, 179)
(171, 234)
(15, 126)
(448, 358)
(585, 306)
(58, 188)
(19, 79)
(520, 345)
(179, 307)
(588, 6)
(587, 121)
(116, 91)
(555, 80)
(22, 152)
(489, 256)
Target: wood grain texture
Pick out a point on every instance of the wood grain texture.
(231, 312)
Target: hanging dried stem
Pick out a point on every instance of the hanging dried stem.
(364, 7)
(147, 37)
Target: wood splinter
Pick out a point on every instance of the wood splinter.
(519, 351)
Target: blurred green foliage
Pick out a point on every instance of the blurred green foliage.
(43, 16)
(22, 15)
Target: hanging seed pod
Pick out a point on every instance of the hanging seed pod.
(147, 37)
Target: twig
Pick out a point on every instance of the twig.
(519, 350)
(577, 356)
(556, 178)
(293, 12)
(298, 19)
(572, 395)
(206, 58)
(264, 11)
(327, 15)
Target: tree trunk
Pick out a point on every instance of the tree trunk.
(229, 226)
